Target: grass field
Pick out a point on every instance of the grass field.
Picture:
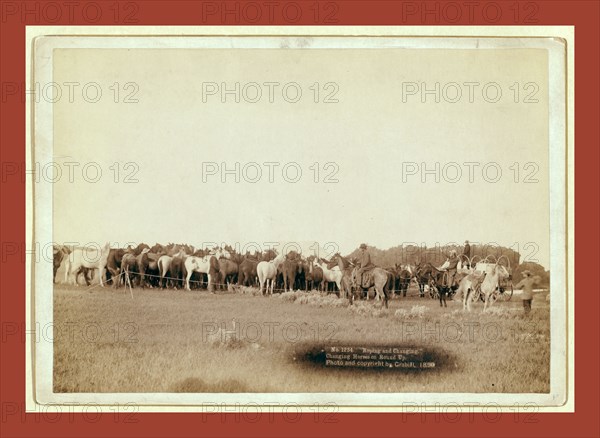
(177, 341)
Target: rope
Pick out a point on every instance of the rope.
(393, 291)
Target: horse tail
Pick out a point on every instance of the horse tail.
(386, 286)
(161, 268)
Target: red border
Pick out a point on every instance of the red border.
(584, 15)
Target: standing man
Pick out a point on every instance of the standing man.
(364, 263)
(467, 253)
(527, 284)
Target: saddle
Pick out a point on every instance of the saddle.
(367, 277)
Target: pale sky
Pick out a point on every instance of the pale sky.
(369, 133)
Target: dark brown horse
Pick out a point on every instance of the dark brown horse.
(313, 275)
(423, 274)
(441, 283)
(228, 272)
(113, 265)
(142, 262)
(58, 254)
(289, 269)
(404, 278)
(247, 272)
(178, 271)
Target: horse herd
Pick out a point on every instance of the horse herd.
(182, 266)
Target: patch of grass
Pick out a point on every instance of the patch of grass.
(185, 341)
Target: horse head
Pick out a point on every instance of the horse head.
(158, 249)
(503, 272)
(270, 254)
(142, 246)
(222, 253)
(332, 263)
(279, 258)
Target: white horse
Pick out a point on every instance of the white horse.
(491, 283)
(89, 258)
(489, 275)
(331, 275)
(467, 285)
(267, 271)
(164, 264)
(203, 265)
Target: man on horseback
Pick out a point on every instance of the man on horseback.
(364, 263)
(451, 269)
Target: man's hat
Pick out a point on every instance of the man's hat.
(466, 241)
(363, 246)
(526, 272)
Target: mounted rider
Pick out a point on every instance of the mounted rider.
(364, 263)
(451, 268)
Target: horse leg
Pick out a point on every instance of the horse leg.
(209, 285)
(125, 277)
(382, 294)
(67, 269)
(492, 298)
(85, 277)
(77, 274)
(187, 279)
(81, 271)
(118, 277)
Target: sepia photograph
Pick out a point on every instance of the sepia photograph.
(329, 220)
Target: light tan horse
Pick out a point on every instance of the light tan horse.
(378, 278)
